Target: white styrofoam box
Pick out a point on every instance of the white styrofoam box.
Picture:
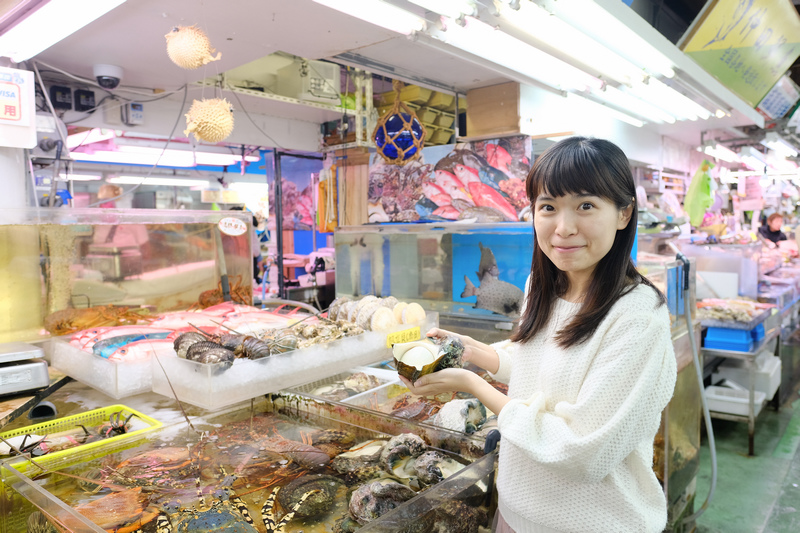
(724, 400)
(767, 375)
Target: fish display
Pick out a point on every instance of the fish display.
(487, 175)
(106, 347)
(493, 294)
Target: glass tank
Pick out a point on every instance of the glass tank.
(724, 268)
(470, 271)
(666, 273)
(65, 268)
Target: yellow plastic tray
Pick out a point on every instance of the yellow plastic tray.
(90, 420)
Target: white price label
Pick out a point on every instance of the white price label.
(232, 226)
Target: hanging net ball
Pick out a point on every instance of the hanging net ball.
(189, 48)
(210, 120)
(399, 135)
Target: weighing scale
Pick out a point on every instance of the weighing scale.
(21, 368)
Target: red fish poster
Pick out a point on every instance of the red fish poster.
(481, 181)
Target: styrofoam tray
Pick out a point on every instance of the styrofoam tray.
(767, 375)
(735, 402)
(214, 387)
(118, 379)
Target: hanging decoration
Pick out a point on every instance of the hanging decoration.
(210, 120)
(189, 48)
(399, 135)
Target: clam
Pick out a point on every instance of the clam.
(466, 416)
(399, 451)
(321, 501)
(371, 500)
(432, 467)
(419, 358)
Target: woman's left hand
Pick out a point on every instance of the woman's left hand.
(447, 380)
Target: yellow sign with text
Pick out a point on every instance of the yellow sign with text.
(746, 44)
(406, 335)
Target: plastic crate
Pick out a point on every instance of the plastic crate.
(767, 375)
(442, 101)
(736, 340)
(735, 402)
(89, 420)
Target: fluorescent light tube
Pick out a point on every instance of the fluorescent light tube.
(88, 137)
(541, 25)
(378, 13)
(628, 102)
(80, 177)
(146, 155)
(613, 113)
(49, 24)
(449, 8)
(721, 152)
(502, 49)
(752, 158)
(169, 182)
(661, 95)
(595, 21)
(773, 141)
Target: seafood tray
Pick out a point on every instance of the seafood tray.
(118, 379)
(216, 386)
(761, 318)
(73, 429)
(280, 455)
(337, 388)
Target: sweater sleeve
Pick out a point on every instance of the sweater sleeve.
(627, 385)
(504, 350)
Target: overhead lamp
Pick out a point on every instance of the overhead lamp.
(541, 25)
(774, 141)
(752, 158)
(378, 13)
(659, 94)
(88, 137)
(148, 180)
(608, 111)
(50, 23)
(593, 20)
(628, 102)
(80, 177)
(449, 8)
(482, 40)
(718, 151)
(147, 155)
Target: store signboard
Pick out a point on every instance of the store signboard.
(17, 108)
(780, 99)
(747, 45)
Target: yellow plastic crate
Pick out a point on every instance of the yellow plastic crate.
(441, 136)
(89, 419)
(442, 101)
(444, 120)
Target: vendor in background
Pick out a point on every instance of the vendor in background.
(771, 231)
(258, 259)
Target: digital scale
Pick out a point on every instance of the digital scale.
(21, 368)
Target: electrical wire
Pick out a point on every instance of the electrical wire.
(276, 144)
(166, 145)
(62, 134)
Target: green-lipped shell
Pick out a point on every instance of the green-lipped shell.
(419, 358)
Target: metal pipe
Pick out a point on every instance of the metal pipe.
(279, 220)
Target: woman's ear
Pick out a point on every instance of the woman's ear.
(625, 215)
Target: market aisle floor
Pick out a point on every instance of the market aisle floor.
(759, 494)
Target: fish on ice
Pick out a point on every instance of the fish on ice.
(493, 294)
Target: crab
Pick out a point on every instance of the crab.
(227, 513)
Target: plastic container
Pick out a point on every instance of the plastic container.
(767, 375)
(215, 386)
(89, 420)
(384, 376)
(441, 136)
(734, 402)
(737, 340)
(442, 101)
(118, 379)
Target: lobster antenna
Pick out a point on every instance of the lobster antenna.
(29, 456)
(226, 327)
(180, 405)
(206, 335)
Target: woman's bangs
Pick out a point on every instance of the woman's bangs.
(566, 173)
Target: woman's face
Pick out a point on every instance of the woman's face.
(776, 223)
(576, 231)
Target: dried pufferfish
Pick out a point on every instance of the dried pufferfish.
(189, 48)
(210, 120)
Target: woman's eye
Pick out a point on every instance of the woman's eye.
(546, 207)
(585, 206)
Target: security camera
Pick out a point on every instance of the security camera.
(108, 76)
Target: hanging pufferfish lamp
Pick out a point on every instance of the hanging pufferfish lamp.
(210, 120)
(399, 135)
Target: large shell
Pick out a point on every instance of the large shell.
(371, 500)
(382, 320)
(432, 467)
(466, 416)
(189, 47)
(412, 365)
(319, 502)
(210, 120)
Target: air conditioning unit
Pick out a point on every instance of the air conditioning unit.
(310, 81)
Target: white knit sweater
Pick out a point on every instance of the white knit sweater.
(576, 453)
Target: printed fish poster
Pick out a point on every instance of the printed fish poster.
(480, 181)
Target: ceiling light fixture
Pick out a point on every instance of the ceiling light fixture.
(615, 97)
(49, 24)
(608, 111)
(378, 13)
(718, 151)
(80, 177)
(661, 95)
(482, 40)
(774, 141)
(449, 8)
(752, 158)
(88, 137)
(537, 23)
(168, 182)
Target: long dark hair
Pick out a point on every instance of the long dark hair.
(581, 165)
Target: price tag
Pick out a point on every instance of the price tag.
(406, 335)
(232, 226)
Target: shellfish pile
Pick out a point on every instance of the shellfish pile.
(376, 314)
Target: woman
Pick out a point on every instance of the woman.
(771, 231)
(590, 367)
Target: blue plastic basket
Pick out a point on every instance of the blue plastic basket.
(737, 340)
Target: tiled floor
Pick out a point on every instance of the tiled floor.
(759, 494)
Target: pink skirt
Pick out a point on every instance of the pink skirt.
(500, 525)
